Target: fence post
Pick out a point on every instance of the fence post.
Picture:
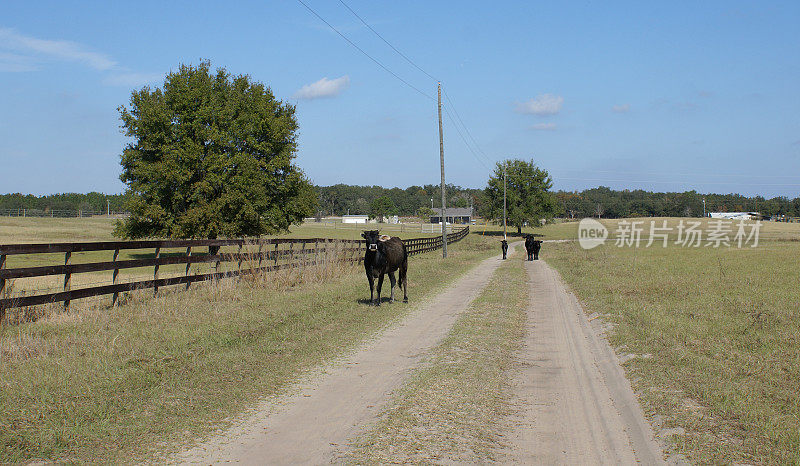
(114, 275)
(316, 250)
(2, 280)
(2, 285)
(188, 264)
(214, 251)
(155, 270)
(239, 265)
(276, 255)
(260, 257)
(67, 277)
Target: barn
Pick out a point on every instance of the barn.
(453, 215)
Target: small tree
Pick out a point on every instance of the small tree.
(528, 198)
(381, 208)
(424, 213)
(211, 156)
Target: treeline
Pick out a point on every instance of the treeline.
(91, 202)
(342, 199)
(610, 203)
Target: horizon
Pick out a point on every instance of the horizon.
(660, 98)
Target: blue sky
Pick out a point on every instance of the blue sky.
(662, 96)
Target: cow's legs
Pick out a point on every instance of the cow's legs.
(392, 282)
(404, 281)
(380, 284)
(371, 287)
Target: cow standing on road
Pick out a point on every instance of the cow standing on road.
(504, 247)
(532, 247)
(385, 255)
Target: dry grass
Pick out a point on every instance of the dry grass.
(101, 384)
(722, 327)
(453, 408)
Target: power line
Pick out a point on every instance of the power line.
(387, 42)
(452, 105)
(365, 53)
(409, 60)
(447, 96)
(465, 140)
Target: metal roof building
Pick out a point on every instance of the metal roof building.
(452, 215)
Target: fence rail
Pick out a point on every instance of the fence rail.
(264, 255)
(53, 213)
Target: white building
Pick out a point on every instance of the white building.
(736, 215)
(355, 218)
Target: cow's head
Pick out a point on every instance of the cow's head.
(372, 237)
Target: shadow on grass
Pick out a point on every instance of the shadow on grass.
(384, 299)
(510, 234)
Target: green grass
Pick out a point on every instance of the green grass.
(454, 409)
(722, 328)
(127, 384)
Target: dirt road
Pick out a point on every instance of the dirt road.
(314, 424)
(578, 407)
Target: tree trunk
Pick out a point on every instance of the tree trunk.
(519, 230)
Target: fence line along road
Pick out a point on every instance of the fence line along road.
(55, 213)
(251, 256)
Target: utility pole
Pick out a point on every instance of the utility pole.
(441, 163)
(504, 200)
(108, 207)
(704, 207)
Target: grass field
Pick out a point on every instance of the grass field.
(126, 384)
(713, 334)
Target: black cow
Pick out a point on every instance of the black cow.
(504, 246)
(532, 246)
(385, 255)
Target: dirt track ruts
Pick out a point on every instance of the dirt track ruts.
(313, 425)
(577, 405)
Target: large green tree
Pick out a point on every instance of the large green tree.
(528, 197)
(211, 156)
(382, 207)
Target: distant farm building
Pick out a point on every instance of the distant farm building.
(453, 215)
(355, 218)
(736, 215)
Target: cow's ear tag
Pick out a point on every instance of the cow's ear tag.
(384, 238)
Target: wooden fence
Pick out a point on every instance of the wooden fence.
(251, 256)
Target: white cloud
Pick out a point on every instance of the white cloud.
(323, 88)
(14, 63)
(624, 108)
(544, 126)
(544, 104)
(132, 79)
(58, 49)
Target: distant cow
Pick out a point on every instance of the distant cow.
(532, 246)
(385, 255)
(504, 247)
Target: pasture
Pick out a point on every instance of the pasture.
(710, 334)
(98, 384)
